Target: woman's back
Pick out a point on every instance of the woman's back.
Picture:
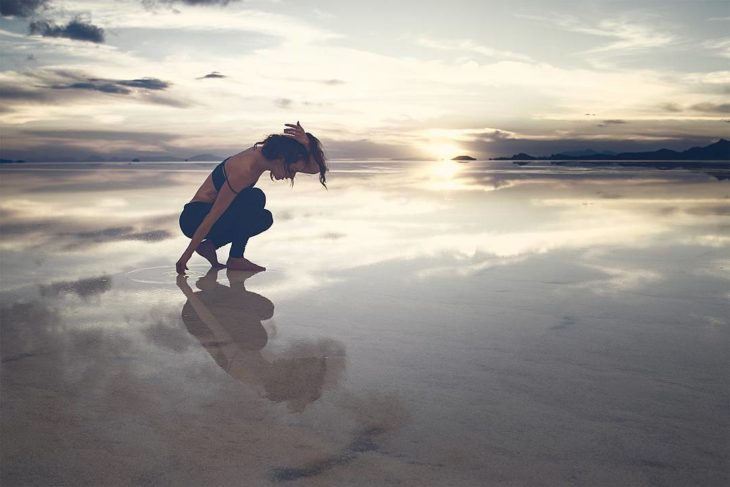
(208, 191)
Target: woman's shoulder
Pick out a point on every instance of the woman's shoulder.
(245, 158)
(240, 167)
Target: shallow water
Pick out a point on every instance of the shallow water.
(418, 324)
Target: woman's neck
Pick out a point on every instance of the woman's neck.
(261, 163)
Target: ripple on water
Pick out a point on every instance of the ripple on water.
(164, 274)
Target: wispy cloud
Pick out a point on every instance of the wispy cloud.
(721, 47)
(628, 36)
(606, 123)
(155, 3)
(283, 102)
(467, 46)
(289, 28)
(712, 107)
(40, 85)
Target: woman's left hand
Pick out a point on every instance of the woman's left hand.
(297, 133)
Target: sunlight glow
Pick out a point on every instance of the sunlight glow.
(445, 170)
(443, 150)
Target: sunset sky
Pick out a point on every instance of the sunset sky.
(374, 79)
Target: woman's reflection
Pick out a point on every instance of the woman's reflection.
(227, 322)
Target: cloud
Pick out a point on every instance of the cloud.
(21, 8)
(154, 3)
(76, 29)
(283, 102)
(97, 145)
(44, 86)
(94, 86)
(611, 122)
(364, 148)
(213, 75)
(670, 107)
(38, 226)
(119, 87)
(116, 233)
(721, 47)
(712, 107)
(83, 288)
(552, 144)
(464, 46)
(12, 91)
(629, 35)
(146, 83)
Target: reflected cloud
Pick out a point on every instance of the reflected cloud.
(622, 279)
(376, 415)
(227, 322)
(27, 224)
(84, 288)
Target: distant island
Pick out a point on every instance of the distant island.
(204, 157)
(463, 158)
(718, 151)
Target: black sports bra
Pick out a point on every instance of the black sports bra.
(219, 176)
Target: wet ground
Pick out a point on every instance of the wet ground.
(418, 324)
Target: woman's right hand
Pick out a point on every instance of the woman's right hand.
(298, 133)
(181, 265)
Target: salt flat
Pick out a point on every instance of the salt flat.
(418, 324)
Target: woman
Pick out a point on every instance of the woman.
(228, 209)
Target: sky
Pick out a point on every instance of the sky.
(101, 80)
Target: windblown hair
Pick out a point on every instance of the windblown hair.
(277, 146)
(315, 150)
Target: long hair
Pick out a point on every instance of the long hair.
(315, 150)
(277, 146)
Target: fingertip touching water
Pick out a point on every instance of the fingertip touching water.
(219, 213)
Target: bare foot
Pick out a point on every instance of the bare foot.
(206, 249)
(243, 264)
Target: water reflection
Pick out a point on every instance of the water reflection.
(227, 320)
(512, 307)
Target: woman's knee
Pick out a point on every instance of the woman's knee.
(267, 219)
(258, 224)
(252, 198)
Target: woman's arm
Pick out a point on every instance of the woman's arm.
(222, 202)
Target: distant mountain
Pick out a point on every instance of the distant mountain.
(588, 152)
(718, 151)
(463, 158)
(205, 157)
(517, 157)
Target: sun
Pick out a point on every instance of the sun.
(443, 150)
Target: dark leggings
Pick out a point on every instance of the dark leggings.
(244, 218)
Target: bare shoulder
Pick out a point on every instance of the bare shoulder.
(241, 170)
